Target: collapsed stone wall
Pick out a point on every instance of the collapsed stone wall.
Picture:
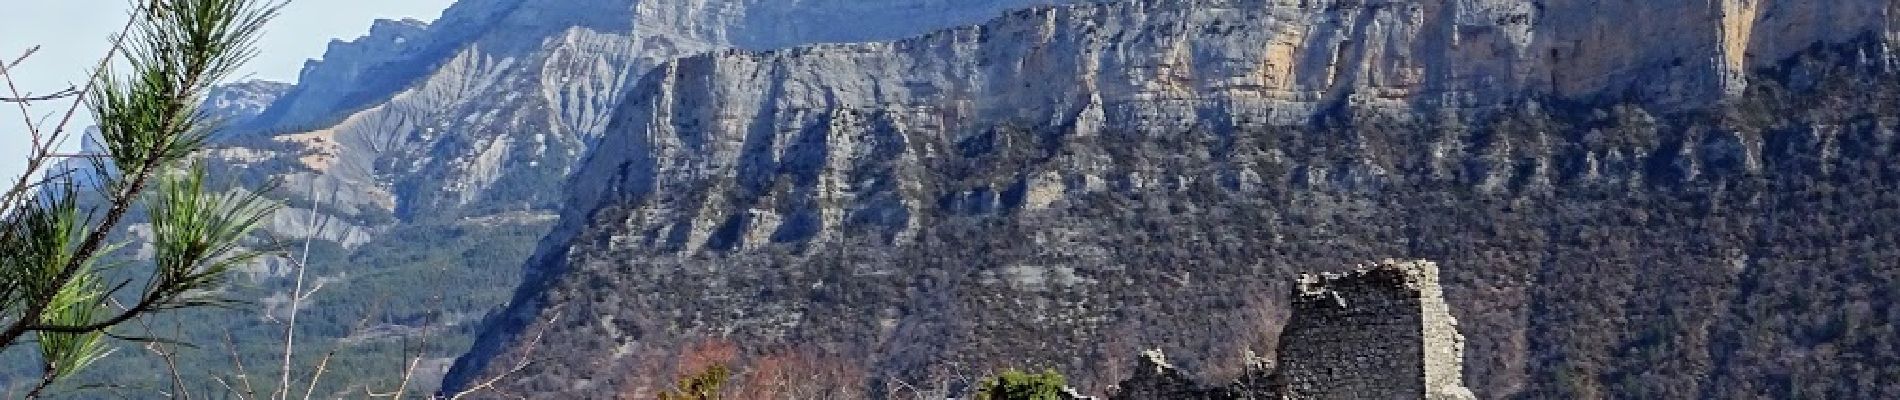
(1155, 378)
(1380, 332)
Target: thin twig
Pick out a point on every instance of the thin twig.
(227, 386)
(25, 115)
(25, 99)
(169, 356)
(422, 349)
(16, 61)
(297, 293)
(250, 393)
(46, 381)
(401, 386)
(322, 365)
(521, 364)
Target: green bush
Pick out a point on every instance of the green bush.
(1018, 385)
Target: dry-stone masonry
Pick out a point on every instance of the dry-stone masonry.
(1155, 378)
(1380, 332)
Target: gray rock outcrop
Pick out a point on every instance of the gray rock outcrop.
(237, 104)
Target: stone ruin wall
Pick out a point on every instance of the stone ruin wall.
(1380, 332)
(1383, 331)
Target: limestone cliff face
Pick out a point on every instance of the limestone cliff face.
(487, 109)
(1118, 175)
(1133, 64)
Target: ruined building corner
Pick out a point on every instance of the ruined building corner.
(1382, 331)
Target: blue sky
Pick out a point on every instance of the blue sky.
(72, 35)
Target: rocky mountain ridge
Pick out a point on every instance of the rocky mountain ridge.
(1064, 186)
(437, 149)
(1060, 65)
(490, 106)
